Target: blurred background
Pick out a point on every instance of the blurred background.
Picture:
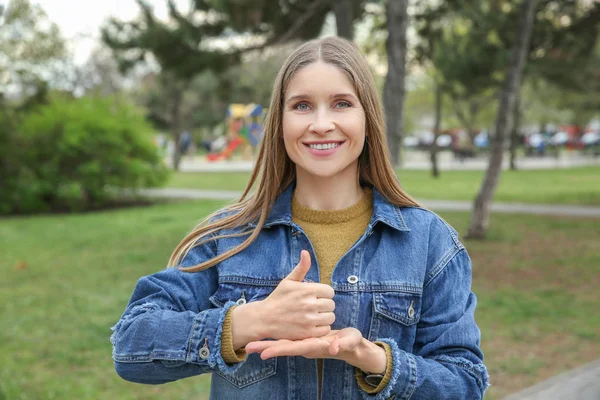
(124, 123)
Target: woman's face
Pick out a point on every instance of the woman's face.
(323, 122)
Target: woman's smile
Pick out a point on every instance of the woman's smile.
(324, 149)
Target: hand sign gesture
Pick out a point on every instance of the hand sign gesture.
(296, 309)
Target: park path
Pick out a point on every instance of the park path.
(414, 160)
(435, 205)
(582, 383)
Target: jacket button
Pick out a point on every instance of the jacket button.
(352, 279)
(241, 302)
(204, 353)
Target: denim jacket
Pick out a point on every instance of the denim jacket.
(406, 281)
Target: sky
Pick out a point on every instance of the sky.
(80, 21)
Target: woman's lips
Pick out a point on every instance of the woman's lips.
(324, 153)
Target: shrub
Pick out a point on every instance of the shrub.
(75, 155)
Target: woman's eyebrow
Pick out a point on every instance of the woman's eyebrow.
(297, 97)
(332, 96)
(338, 95)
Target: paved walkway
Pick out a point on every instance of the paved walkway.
(416, 160)
(582, 383)
(435, 205)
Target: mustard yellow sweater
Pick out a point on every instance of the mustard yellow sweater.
(331, 233)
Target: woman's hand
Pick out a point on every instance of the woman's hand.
(332, 345)
(294, 310)
(346, 344)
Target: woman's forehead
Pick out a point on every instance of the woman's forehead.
(319, 78)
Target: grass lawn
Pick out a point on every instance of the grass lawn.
(557, 186)
(67, 279)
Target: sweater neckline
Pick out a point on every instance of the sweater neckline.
(333, 216)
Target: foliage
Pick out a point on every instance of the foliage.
(30, 46)
(467, 42)
(72, 154)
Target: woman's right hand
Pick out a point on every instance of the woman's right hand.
(294, 310)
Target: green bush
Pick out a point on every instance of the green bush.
(75, 155)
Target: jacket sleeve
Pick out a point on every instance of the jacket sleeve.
(169, 330)
(446, 362)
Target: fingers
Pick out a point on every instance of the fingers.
(334, 347)
(347, 339)
(325, 305)
(324, 318)
(323, 291)
(322, 330)
(297, 348)
(300, 271)
(260, 346)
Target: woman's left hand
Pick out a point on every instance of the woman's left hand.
(335, 345)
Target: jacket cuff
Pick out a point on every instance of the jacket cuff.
(228, 353)
(205, 341)
(360, 379)
(403, 374)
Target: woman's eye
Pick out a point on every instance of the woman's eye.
(343, 104)
(301, 107)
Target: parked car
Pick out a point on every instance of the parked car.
(590, 139)
(536, 143)
(559, 139)
(410, 142)
(443, 140)
(590, 142)
(482, 140)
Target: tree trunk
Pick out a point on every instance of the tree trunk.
(344, 17)
(474, 108)
(176, 99)
(393, 92)
(435, 172)
(518, 58)
(514, 137)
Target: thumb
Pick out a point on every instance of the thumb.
(300, 271)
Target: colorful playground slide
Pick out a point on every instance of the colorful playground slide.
(244, 128)
(230, 148)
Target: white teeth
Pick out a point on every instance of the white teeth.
(327, 146)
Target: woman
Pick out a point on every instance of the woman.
(359, 291)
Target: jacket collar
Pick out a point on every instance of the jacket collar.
(383, 211)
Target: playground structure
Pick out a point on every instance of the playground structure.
(244, 131)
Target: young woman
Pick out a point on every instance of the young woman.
(328, 281)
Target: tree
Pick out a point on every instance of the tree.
(518, 59)
(394, 89)
(178, 48)
(345, 10)
(30, 45)
(566, 55)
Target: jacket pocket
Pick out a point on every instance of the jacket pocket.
(395, 315)
(239, 293)
(253, 369)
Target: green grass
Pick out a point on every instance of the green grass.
(557, 186)
(66, 280)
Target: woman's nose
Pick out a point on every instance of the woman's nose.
(322, 123)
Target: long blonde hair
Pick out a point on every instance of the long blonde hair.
(274, 170)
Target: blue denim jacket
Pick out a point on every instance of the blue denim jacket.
(406, 281)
